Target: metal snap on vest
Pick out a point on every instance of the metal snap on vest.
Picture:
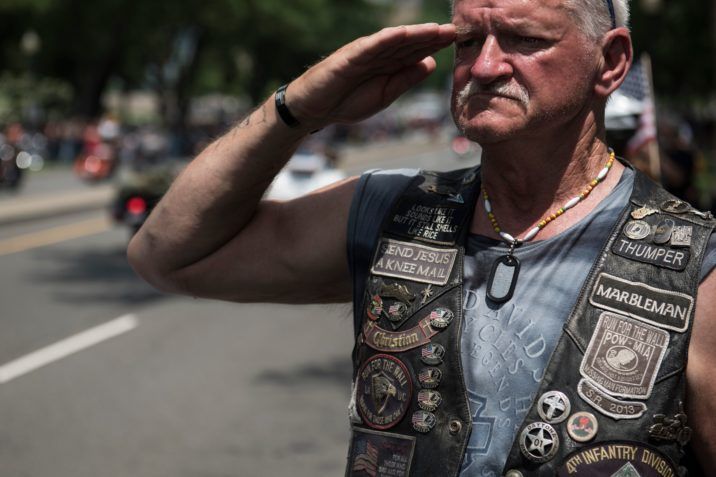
(513, 473)
(455, 426)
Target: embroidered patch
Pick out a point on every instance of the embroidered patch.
(624, 356)
(608, 405)
(617, 459)
(396, 341)
(436, 222)
(663, 308)
(380, 454)
(383, 391)
(415, 262)
(657, 255)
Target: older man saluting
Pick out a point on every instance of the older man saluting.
(529, 317)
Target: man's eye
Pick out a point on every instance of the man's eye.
(468, 43)
(529, 40)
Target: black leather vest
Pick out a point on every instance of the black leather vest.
(610, 401)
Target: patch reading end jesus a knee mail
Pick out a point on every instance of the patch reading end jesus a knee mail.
(411, 261)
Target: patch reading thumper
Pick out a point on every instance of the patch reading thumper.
(412, 261)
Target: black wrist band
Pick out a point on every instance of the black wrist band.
(282, 109)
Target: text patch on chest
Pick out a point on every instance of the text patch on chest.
(663, 308)
(415, 262)
(624, 356)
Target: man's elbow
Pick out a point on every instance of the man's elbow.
(143, 261)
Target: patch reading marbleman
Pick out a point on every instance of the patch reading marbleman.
(624, 356)
(617, 459)
(663, 308)
(415, 262)
(654, 254)
(380, 454)
(383, 392)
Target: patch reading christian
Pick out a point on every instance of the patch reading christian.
(624, 355)
(654, 254)
(383, 391)
(608, 405)
(396, 341)
(415, 262)
(380, 454)
(663, 308)
(617, 459)
(436, 223)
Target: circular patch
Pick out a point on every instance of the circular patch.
(430, 377)
(539, 442)
(383, 391)
(432, 354)
(441, 317)
(423, 421)
(429, 399)
(553, 406)
(582, 426)
(375, 307)
(397, 311)
(637, 229)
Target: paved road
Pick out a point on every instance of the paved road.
(172, 386)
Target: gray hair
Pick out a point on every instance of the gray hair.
(593, 16)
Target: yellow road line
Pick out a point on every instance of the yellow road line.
(54, 235)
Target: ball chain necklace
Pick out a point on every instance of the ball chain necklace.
(503, 276)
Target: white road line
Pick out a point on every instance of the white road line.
(66, 347)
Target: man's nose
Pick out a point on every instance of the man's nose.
(491, 63)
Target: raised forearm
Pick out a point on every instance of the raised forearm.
(215, 196)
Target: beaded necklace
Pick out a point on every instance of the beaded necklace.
(503, 276)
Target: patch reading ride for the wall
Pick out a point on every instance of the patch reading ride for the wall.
(415, 262)
(664, 257)
(617, 459)
(663, 308)
(379, 454)
(383, 391)
(436, 223)
(608, 405)
(624, 356)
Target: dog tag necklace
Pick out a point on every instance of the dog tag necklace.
(505, 269)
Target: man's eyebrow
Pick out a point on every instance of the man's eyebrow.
(463, 30)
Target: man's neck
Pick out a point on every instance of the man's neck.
(527, 182)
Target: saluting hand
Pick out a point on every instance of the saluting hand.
(366, 75)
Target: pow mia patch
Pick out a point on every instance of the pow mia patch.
(624, 356)
(383, 391)
(608, 405)
(617, 459)
(414, 262)
(380, 454)
(657, 255)
(663, 308)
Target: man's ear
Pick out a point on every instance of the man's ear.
(617, 54)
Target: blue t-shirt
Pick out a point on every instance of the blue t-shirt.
(505, 348)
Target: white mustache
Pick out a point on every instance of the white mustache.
(511, 90)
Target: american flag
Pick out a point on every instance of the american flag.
(367, 461)
(638, 86)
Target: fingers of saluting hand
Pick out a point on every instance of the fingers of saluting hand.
(399, 42)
